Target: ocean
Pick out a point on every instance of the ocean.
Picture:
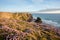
(52, 19)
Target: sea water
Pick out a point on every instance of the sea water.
(53, 19)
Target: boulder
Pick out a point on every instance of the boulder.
(38, 20)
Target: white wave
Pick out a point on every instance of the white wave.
(51, 23)
(34, 17)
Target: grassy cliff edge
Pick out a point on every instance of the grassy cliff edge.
(19, 26)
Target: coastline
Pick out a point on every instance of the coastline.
(23, 27)
(52, 19)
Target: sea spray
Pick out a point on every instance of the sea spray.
(51, 22)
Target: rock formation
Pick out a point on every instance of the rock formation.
(38, 20)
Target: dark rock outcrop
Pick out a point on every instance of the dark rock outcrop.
(38, 20)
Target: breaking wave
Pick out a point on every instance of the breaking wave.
(51, 23)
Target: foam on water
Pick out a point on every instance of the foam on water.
(52, 19)
(51, 23)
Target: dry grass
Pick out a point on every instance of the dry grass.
(22, 30)
(16, 29)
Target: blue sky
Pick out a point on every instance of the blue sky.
(28, 5)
